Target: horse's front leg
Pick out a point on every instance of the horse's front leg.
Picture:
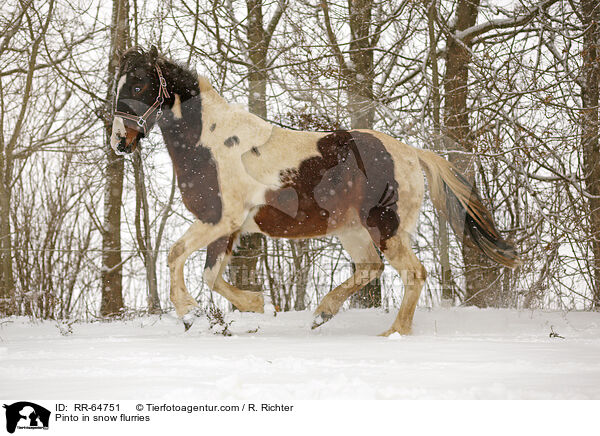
(199, 235)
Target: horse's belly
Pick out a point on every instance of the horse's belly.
(289, 215)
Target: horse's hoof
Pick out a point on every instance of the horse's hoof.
(187, 324)
(189, 318)
(268, 307)
(403, 331)
(386, 333)
(321, 319)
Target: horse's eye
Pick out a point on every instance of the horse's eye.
(137, 88)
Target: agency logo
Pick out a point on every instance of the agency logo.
(26, 415)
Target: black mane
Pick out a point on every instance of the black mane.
(182, 80)
(133, 58)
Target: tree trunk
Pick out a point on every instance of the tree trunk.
(257, 55)
(590, 13)
(359, 79)
(481, 275)
(112, 276)
(7, 280)
(360, 73)
(243, 268)
(456, 113)
(142, 232)
(442, 227)
(299, 251)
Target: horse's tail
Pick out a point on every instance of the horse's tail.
(453, 195)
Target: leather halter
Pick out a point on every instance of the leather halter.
(157, 106)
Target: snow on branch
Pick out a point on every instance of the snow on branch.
(520, 20)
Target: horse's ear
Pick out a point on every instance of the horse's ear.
(153, 53)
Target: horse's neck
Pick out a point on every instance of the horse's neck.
(200, 116)
(229, 126)
(205, 135)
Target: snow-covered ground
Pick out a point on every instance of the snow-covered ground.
(453, 354)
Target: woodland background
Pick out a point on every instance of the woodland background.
(507, 90)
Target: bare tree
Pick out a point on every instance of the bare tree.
(112, 276)
(482, 277)
(245, 260)
(41, 137)
(36, 26)
(590, 17)
(357, 73)
(442, 226)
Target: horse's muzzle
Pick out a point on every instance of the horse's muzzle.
(128, 143)
(123, 147)
(124, 139)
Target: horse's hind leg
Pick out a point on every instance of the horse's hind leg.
(218, 254)
(357, 242)
(401, 256)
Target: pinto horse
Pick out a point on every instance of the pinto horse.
(238, 173)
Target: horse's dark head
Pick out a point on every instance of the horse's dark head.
(140, 96)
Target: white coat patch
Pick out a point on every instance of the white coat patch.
(118, 132)
(120, 85)
(177, 108)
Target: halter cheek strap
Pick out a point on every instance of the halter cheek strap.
(157, 106)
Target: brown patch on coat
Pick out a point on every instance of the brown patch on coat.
(198, 182)
(231, 141)
(223, 245)
(354, 171)
(176, 250)
(194, 164)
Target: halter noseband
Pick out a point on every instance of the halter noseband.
(162, 94)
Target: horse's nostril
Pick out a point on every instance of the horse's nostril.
(123, 147)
